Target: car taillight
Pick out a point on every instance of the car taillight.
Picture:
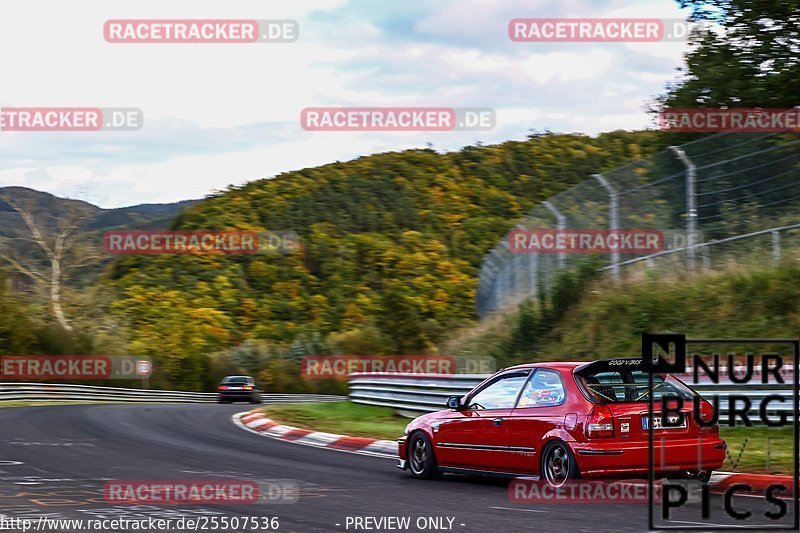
(247, 387)
(600, 423)
(222, 387)
(706, 415)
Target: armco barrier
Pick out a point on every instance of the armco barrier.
(413, 394)
(14, 392)
(409, 394)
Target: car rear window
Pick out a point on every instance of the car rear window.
(236, 379)
(626, 385)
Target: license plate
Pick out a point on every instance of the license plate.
(657, 423)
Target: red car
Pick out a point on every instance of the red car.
(561, 421)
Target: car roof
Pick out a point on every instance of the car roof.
(575, 366)
(563, 365)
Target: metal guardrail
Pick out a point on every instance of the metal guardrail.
(413, 394)
(409, 394)
(14, 392)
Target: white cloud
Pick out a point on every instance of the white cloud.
(222, 114)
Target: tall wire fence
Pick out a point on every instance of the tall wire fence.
(723, 200)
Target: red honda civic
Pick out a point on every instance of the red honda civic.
(562, 421)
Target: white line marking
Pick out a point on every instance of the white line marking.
(318, 439)
(277, 431)
(515, 509)
(700, 524)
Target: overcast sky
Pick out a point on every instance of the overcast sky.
(221, 114)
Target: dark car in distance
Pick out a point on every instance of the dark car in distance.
(238, 389)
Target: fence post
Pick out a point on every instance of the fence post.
(613, 224)
(561, 224)
(533, 274)
(504, 276)
(691, 203)
(493, 288)
(497, 291)
(776, 247)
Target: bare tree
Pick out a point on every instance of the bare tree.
(62, 252)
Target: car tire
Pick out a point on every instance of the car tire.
(558, 464)
(220, 400)
(421, 458)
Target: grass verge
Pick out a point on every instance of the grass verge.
(759, 449)
(43, 402)
(345, 418)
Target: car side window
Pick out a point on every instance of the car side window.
(545, 388)
(499, 395)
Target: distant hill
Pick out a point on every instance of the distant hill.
(392, 244)
(49, 211)
(49, 208)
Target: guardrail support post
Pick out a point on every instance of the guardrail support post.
(691, 203)
(776, 247)
(613, 223)
(561, 224)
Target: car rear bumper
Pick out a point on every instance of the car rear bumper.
(238, 395)
(615, 457)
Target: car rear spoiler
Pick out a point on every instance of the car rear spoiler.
(609, 365)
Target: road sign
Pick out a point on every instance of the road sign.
(144, 368)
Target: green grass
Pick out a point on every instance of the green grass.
(754, 456)
(34, 403)
(607, 319)
(348, 418)
(344, 418)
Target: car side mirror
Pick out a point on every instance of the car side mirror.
(454, 402)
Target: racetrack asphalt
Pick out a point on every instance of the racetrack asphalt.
(56, 460)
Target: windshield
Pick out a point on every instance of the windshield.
(625, 385)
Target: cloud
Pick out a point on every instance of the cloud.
(224, 114)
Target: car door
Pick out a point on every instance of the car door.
(476, 437)
(538, 410)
